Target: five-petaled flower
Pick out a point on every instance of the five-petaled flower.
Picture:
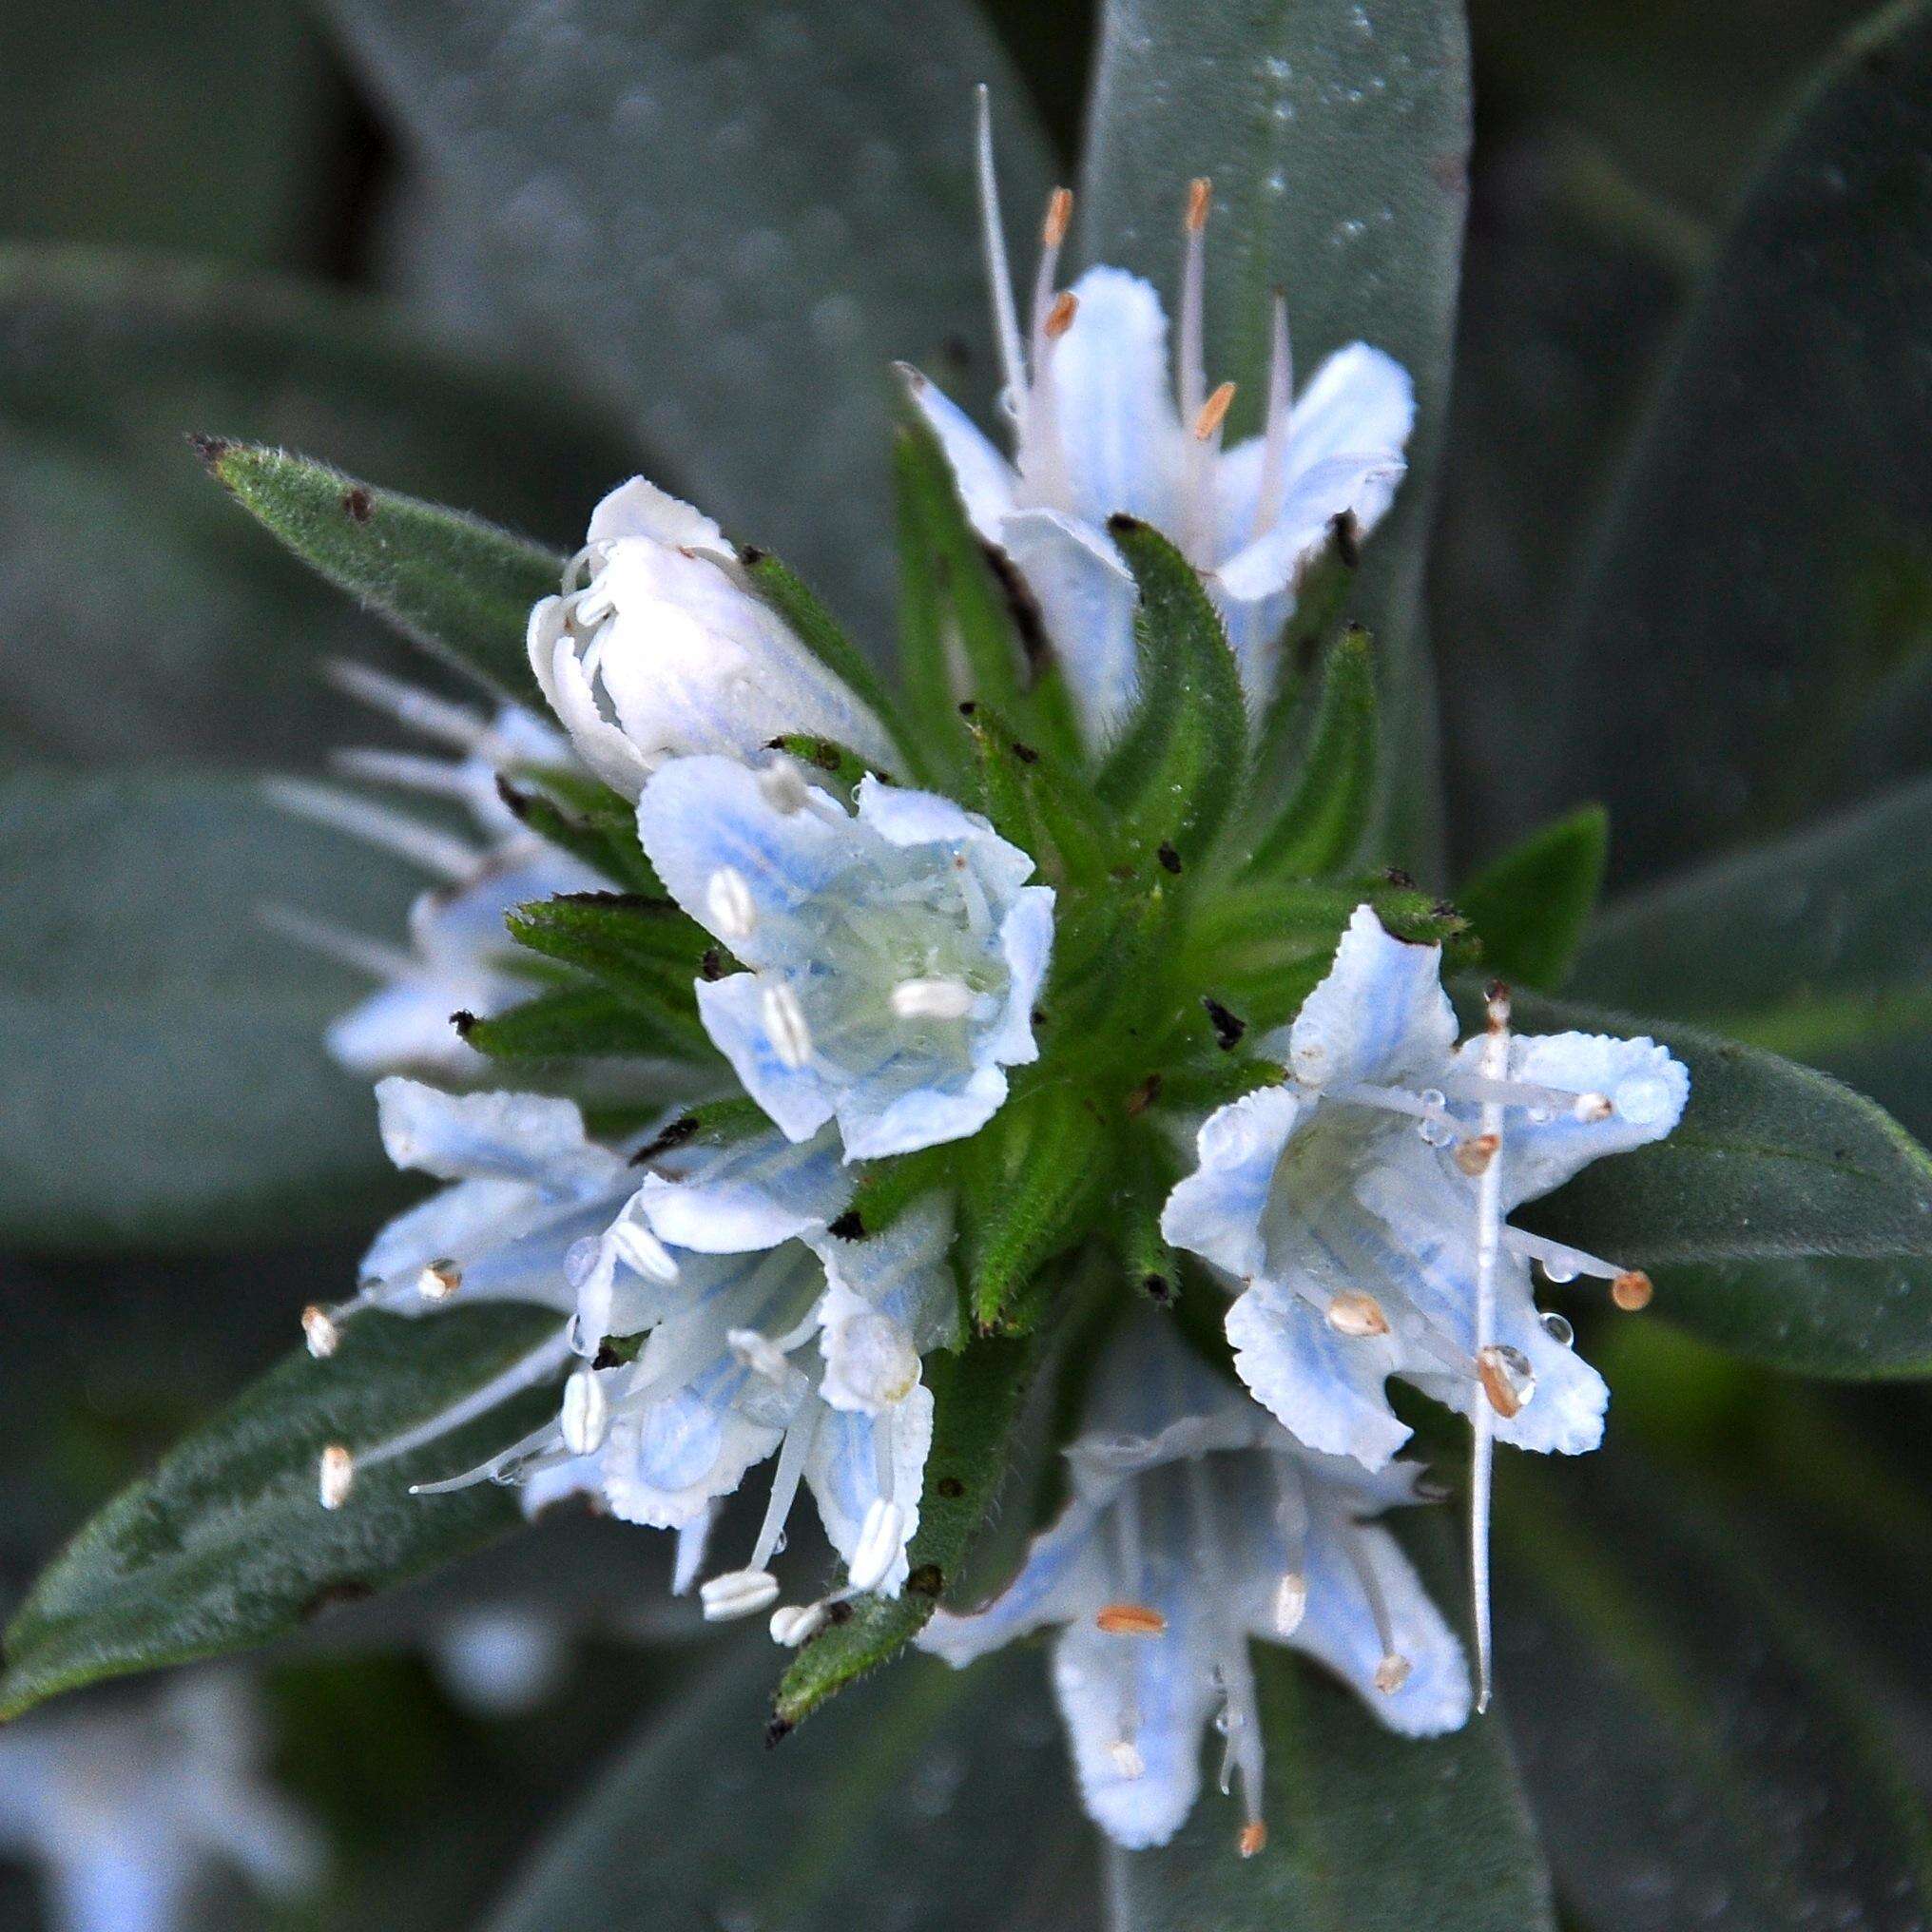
(1196, 1524)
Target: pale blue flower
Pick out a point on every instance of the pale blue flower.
(896, 953)
(1358, 1208)
(766, 1335)
(1103, 422)
(1197, 1524)
(130, 1810)
(656, 648)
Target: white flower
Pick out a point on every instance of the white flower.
(1102, 425)
(664, 652)
(766, 1335)
(1360, 1207)
(459, 957)
(896, 953)
(1196, 1524)
(129, 1811)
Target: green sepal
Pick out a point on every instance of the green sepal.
(1530, 907)
(1042, 805)
(1146, 1176)
(815, 627)
(721, 1122)
(1030, 1185)
(641, 947)
(886, 1187)
(1215, 1082)
(1179, 761)
(1284, 723)
(582, 1021)
(459, 587)
(1326, 818)
(838, 763)
(226, 1545)
(976, 1397)
(587, 819)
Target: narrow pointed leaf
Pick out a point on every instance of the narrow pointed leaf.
(226, 1545)
(1531, 906)
(447, 580)
(1323, 823)
(1769, 541)
(638, 945)
(1367, 1831)
(1178, 763)
(1337, 139)
(976, 1403)
(592, 1021)
(946, 1790)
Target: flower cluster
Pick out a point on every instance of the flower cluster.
(829, 1072)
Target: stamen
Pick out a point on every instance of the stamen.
(388, 831)
(1475, 1156)
(728, 898)
(1190, 372)
(1253, 1839)
(1493, 1063)
(1059, 319)
(880, 1539)
(1053, 232)
(1273, 485)
(783, 786)
(792, 1624)
(439, 1281)
(737, 1592)
(758, 1352)
(1392, 1673)
(1291, 1603)
(1588, 1108)
(1131, 1620)
(585, 1418)
(337, 942)
(642, 1252)
(1507, 1379)
(792, 1453)
(541, 1364)
(1059, 217)
(335, 1477)
(1357, 1315)
(1632, 1290)
(319, 1331)
(407, 770)
(993, 240)
(939, 998)
(455, 726)
(785, 1026)
(1213, 413)
(1126, 1759)
(504, 1466)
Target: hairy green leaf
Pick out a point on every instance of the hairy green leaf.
(448, 581)
(226, 1544)
(639, 945)
(1529, 906)
(573, 1021)
(1321, 826)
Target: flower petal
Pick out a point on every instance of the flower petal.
(1065, 1575)
(532, 1137)
(1379, 1015)
(844, 1471)
(1360, 400)
(984, 478)
(797, 1098)
(1216, 1212)
(904, 1272)
(638, 508)
(1087, 597)
(880, 1116)
(752, 1194)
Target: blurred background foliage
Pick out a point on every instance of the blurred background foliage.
(217, 217)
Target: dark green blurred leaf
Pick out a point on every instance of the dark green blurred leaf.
(225, 1545)
(447, 580)
(1530, 907)
(165, 1084)
(976, 1400)
(1338, 140)
(1321, 827)
(1766, 565)
(1791, 1218)
(144, 618)
(1819, 947)
(729, 222)
(1696, 1753)
(1177, 763)
(1367, 1831)
(936, 1801)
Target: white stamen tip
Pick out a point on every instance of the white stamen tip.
(737, 1592)
(1591, 1107)
(880, 1539)
(783, 786)
(792, 1624)
(586, 1413)
(932, 1000)
(336, 1477)
(439, 1281)
(1357, 1315)
(1291, 1603)
(1127, 1760)
(758, 1352)
(638, 1247)
(1391, 1674)
(785, 1026)
(1507, 1379)
(728, 898)
(318, 1329)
